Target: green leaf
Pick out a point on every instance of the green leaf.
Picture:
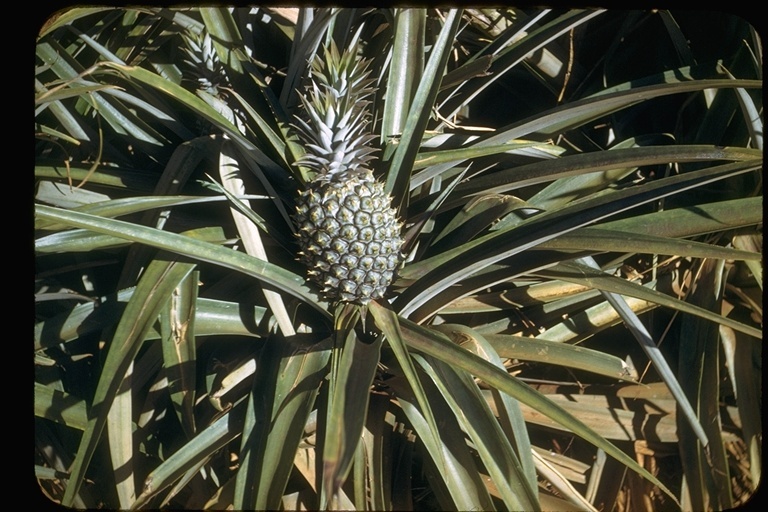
(474, 217)
(455, 156)
(459, 480)
(125, 179)
(200, 107)
(212, 317)
(405, 154)
(600, 240)
(61, 407)
(310, 28)
(152, 292)
(470, 69)
(496, 246)
(115, 113)
(571, 356)
(693, 220)
(378, 481)
(279, 404)
(225, 36)
(180, 244)
(507, 409)
(353, 367)
(448, 453)
(179, 350)
(564, 190)
(405, 71)
(499, 459)
(525, 43)
(63, 18)
(192, 454)
(601, 161)
(581, 274)
(126, 206)
(581, 112)
(249, 233)
(429, 342)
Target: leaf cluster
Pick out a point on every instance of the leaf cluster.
(581, 192)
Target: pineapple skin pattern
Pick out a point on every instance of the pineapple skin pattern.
(350, 238)
(348, 232)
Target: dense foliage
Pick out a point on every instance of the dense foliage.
(577, 322)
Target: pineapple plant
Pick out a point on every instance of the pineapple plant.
(414, 286)
(348, 231)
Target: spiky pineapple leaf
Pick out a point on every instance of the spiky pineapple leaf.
(448, 453)
(496, 246)
(311, 26)
(180, 244)
(353, 366)
(478, 214)
(553, 352)
(153, 291)
(428, 341)
(125, 206)
(606, 240)
(191, 455)
(475, 417)
(564, 190)
(212, 317)
(571, 165)
(430, 158)
(506, 408)
(117, 177)
(506, 58)
(405, 69)
(579, 112)
(199, 106)
(61, 407)
(69, 16)
(293, 384)
(399, 168)
(694, 220)
(178, 332)
(110, 108)
(576, 272)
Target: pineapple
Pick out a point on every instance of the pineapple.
(203, 62)
(348, 232)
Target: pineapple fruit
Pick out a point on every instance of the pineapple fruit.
(348, 232)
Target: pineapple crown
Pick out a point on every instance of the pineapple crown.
(203, 62)
(335, 114)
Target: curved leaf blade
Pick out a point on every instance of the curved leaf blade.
(152, 292)
(180, 244)
(429, 342)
